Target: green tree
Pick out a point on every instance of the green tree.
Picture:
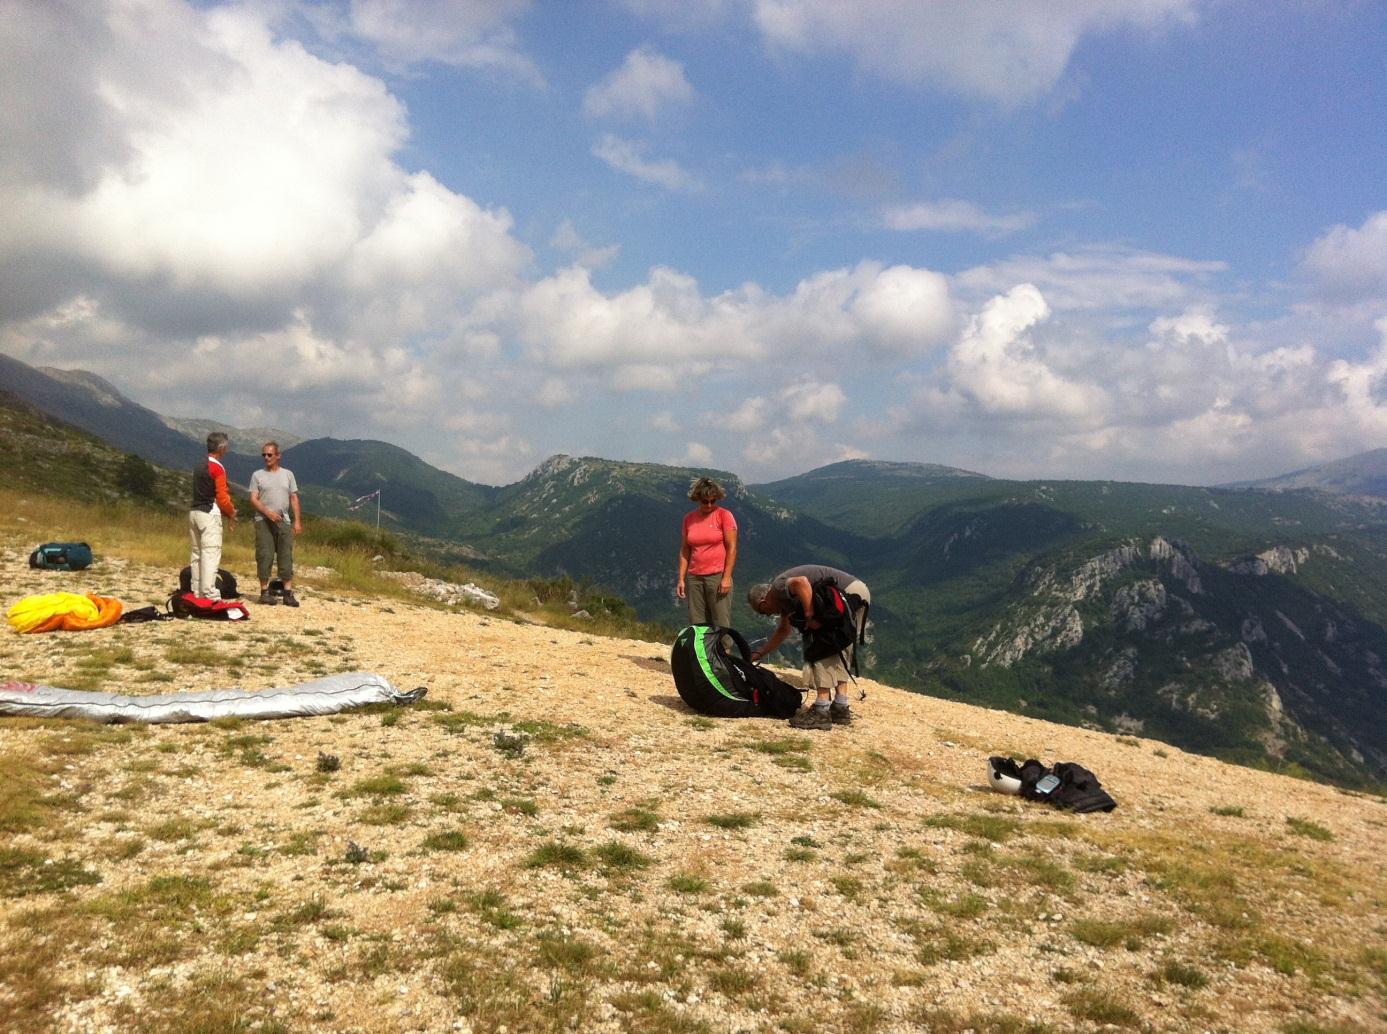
(137, 476)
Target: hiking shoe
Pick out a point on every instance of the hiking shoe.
(841, 714)
(267, 600)
(812, 718)
(290, 600)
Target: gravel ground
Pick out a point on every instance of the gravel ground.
(631, 866)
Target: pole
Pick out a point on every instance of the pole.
(377, 513)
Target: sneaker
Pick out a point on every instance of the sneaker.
(812, 718)
(841, 714)
(290, 600)
(267, 600)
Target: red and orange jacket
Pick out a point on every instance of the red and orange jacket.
(209, 488)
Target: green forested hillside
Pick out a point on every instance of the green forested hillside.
(1258, 626)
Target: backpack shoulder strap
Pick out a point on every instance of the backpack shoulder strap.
(738, 639)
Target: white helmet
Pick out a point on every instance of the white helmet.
(999, 777)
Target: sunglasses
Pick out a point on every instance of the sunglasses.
(269, 455)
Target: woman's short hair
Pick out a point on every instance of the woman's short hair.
(706, 488)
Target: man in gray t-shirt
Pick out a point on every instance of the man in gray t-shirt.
(792, 591)
(274, 495)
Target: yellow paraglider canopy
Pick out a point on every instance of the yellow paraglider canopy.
(63, 612)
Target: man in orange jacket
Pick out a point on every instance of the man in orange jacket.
(211, 501)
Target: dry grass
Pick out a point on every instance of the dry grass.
(630, 868)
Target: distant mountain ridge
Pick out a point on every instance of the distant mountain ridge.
(87, 401)
(1248, 624)
(1362, 474)
(244, 440)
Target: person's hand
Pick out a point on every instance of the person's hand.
(298, 528)
(679, 588)
(724, 586)
(275, 517)
(756, 655)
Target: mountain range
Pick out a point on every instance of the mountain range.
(1248, 622)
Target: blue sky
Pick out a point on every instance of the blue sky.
(1128, 239)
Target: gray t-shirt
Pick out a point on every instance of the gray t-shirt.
(816, 573)
(275, 488)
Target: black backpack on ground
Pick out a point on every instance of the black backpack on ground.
(1067, 785)
(226, 583)
(721, 684)
(62, 556)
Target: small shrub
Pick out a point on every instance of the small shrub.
(449, 840)
(509, 744)
(1173, 972)
(621, 857)
(328, 762)
(555, 854)
(386, 785)
(732, 820)
(1227, 810)
(855, 799)
(684, 883)
(1101, 1007)
(636, 819)
(1306, 828)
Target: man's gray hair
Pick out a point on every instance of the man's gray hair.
(216, 440)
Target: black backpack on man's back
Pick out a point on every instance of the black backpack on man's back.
(836, 613)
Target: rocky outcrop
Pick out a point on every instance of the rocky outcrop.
(1043, 631)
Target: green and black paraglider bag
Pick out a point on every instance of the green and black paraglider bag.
(721, 684)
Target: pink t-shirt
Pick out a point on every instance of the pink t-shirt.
(707, 553)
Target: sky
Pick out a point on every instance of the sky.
(1138, 240)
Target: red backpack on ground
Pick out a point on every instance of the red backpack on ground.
(186, 605)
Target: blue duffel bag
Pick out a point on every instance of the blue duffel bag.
(62, 556)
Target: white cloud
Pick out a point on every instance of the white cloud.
(698, 455)
(809, 401)
(1099, 277)
(1192, 325)
(750, 416)
(628, 156)
(1011, 52)
(205, 216)
(953, 216)
(663, 421)
(905, 310)
(554, 392)
(669, 327)
(568, 240)
(465, 33)
(1348, 264)
(843, 452)
(997, 367)
(646, 82)
(1362, 388)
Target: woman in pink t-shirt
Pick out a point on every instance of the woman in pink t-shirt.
(707, 555)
